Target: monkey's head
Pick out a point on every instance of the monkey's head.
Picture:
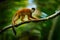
(33, 9)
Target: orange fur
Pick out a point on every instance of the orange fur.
(22, 13)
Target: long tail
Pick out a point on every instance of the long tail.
(13, 24)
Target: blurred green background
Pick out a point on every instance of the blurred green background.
(46, 30)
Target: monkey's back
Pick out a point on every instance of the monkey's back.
(24, 11)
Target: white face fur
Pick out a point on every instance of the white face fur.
(32, 10)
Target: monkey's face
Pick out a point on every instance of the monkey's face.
(32, 10)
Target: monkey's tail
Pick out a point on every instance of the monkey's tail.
(14, 30)
(13, 25)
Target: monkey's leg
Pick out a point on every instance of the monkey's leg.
(22, 18)
(17, 17)
(29, 18)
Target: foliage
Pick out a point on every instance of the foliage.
(32, 30)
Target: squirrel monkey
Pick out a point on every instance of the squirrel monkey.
(21, 13)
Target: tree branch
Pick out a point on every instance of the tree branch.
(42, 19)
